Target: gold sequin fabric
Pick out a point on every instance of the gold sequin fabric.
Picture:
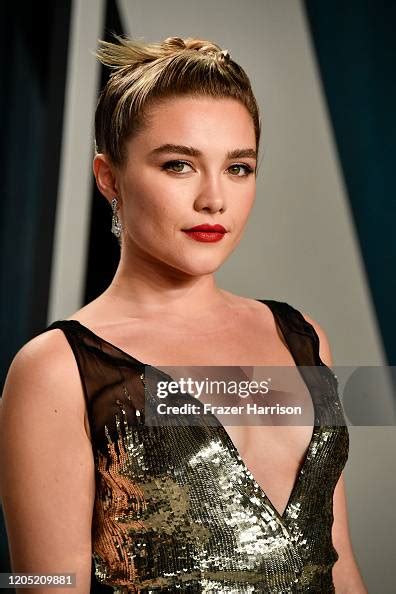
(177, 510)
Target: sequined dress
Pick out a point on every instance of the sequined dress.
(177, 510)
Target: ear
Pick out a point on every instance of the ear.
(105, 176)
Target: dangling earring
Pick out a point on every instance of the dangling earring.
(116, 226)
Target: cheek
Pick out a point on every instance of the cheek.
(243, 207)
(148, 210)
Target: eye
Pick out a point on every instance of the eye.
(169, 165)
(247, 168)
(176, 166)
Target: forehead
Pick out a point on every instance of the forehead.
(205, 120)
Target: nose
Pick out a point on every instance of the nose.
(210, 195)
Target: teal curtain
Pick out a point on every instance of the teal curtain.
(34, 41)
(355, 45)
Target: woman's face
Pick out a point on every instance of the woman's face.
(166, 191)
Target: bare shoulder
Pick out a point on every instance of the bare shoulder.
(44, 373)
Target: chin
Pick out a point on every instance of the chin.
(198, 268)
(190, 262)
(204, 271)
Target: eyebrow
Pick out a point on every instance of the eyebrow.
(194, 152)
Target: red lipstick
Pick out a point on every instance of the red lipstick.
(206, 232)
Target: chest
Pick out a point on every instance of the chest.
(244, 341)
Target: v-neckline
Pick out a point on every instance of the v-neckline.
(296, 483)
(315, 428)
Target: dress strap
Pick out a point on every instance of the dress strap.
(303, 343)
(102, 366)
(81, 359)
(300, 336)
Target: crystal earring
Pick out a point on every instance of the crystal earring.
(116, 226)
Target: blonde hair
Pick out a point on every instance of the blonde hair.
(144, 73)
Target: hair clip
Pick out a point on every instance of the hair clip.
(225, 53)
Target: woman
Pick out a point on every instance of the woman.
(200, 509)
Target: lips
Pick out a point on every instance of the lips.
(210, 228)
(206, 233)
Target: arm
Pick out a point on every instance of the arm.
(47, 471)
(346, 575)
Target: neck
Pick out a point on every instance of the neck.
(156, 289)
